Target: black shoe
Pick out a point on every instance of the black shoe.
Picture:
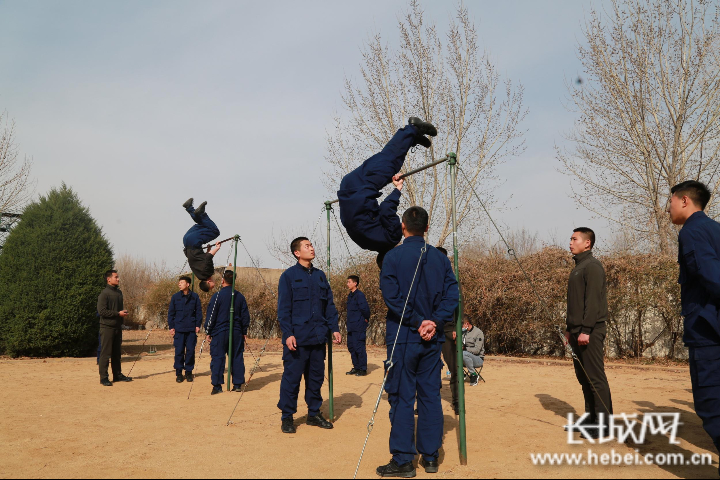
(237, 388)
(392, 469)
(288, 426)
(351, 372)
(456, 408)
(188, 203)
(179, 379)
(589, 421)
(201, 209)
(106, 383)
(189, 376)
(416, 412)
(429, 466)
(423, 127)
(423, 140)
(361, 373)
(122, 378)
(319, 421)
(216, 390)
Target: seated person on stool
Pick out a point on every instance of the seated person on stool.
(473, 350)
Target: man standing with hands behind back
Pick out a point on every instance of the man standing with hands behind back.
(587, 313)
(112, 315)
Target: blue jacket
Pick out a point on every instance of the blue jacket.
(185, 312)
(435, 294)
(358, 311)
(217, 319)
(699, 259)
(371, 226)
(306, 309)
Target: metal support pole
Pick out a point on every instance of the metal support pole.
(231, 353)
(452, 161)
(328, 208)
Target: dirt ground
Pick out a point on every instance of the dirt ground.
(57, 421)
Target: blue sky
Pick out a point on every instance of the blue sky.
(139, 105)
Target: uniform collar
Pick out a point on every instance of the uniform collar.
(582, 256)
(310, 270)
(415, 239)
(695, 217)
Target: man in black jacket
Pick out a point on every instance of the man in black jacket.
(587, 313)
(112, 314)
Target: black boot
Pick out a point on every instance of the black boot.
(361, 373)
(423, 127)
(430, 466)
(122, 378)
(201, 209)
(106, 383)
(288, 426)
(319, 421)
(351, 372)
(423, 140)
(392, 469)
(189, 376)
(179, 378)
(237, 388)
(216, 390)
(188, 203)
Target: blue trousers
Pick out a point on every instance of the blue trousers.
(705, 377)
(185, 343)
(368, 225)
(307, 361)
(416, 374)
(204, 230)
(378, 170)
(358, 352)
(219, 349)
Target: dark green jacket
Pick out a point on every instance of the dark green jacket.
(110, 304)
(587, 295)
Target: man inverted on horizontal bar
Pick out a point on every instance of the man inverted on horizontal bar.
(370, 225)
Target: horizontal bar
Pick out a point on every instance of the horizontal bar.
(213, 244)
(412, 172)
(429, 165)
(10, 215)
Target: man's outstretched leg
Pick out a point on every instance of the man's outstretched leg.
(204, 230)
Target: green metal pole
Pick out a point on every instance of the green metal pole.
(232, 315)
(328, 208)
(458, 315)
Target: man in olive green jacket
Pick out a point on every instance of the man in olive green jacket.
(112, 314)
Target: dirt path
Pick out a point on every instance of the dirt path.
(58, 421)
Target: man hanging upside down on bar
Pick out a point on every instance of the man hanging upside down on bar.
(370, 225)
(204, 231)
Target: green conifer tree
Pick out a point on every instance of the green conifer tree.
(51, 273)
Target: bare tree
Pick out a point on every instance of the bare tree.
(15, 183)
(649, 112)
(449, 83)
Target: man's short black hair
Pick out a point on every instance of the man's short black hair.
(695, 191)
(588, 233)
(109, 274)
(295, 245)
(416, 220)
(186, 278)
(443, 251)
(228, 277)
(355, 279)
(204, 286)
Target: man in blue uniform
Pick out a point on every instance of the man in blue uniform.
(204, 231)
(358, 317)
(217, 326)
(307, 315)
(372, 226)
(416, 368)
(184, 321)
(699, 259)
